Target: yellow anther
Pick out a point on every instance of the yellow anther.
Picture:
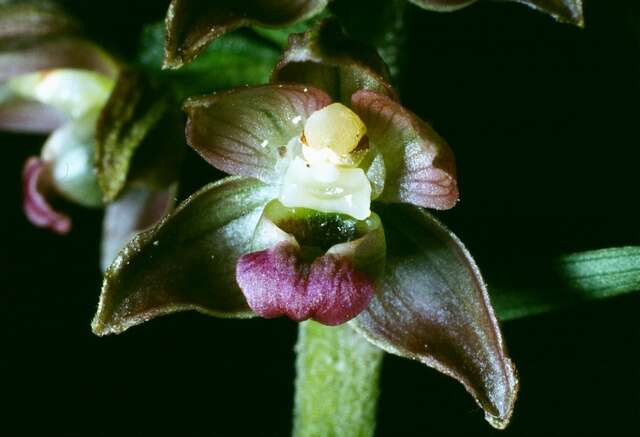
(335, 127)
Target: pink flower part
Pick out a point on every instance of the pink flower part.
(35, 204)
(278, 282)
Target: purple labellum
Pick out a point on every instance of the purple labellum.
(279, 282)
(36, 207)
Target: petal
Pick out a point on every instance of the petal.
(433, 307)
(326, 58)
(23, 21)
(193, 24)
(297, 277)
(26, 116)
(419, 165)
(137, 209)
(36, 207)
(278, 282)
(70, 154)
(133, 109)
(245, 131)
(187, 261)
(56, 53)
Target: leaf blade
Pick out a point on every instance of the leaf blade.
(580, 277)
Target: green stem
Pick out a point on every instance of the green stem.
(336, 384)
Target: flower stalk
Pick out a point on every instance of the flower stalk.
(337, 373)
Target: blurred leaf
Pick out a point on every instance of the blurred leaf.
(133, 109)
(580, 277)
(336, 383)
(233, 60)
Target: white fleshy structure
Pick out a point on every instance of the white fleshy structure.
(322, 173)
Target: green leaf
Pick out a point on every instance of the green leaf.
(133, 109)
(233, 60)
(336, 383)
(187, 261)
(579, 277)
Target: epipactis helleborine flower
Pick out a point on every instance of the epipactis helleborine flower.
(322, 221)
(193, 24)
(56, 83)
(66, 102)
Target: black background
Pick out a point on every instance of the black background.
(544, 121)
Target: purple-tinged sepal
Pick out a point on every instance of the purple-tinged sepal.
(247, 131)
(193, 24)
(307, 264)
(433, 306)
(419, 166)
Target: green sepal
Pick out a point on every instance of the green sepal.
(187, 261)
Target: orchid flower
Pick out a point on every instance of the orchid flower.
(56, 83)
(322, 219)
(193, 24)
